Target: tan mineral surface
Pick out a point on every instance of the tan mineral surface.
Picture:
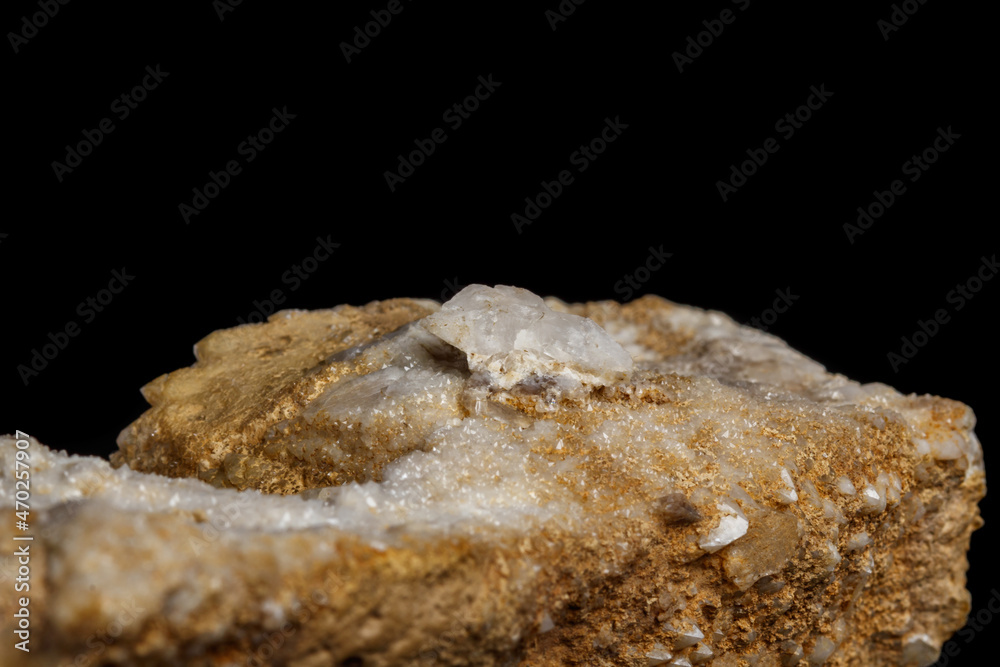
(502, 480)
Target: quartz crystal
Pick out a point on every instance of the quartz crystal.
(504, 480)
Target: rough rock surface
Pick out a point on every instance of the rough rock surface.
(504, 481)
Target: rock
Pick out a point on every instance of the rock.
(503, 480)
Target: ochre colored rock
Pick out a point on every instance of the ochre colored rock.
(504, 480)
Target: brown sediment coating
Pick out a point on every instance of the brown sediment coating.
(541, 595)
(208, 420)
(468, 602)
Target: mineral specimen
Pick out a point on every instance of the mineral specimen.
(504, 480)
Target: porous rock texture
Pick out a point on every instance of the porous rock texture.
(504, 480)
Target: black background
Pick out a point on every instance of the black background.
(450, 222)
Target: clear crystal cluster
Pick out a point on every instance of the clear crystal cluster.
(503, 479)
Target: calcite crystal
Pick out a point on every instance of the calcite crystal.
(505, 480)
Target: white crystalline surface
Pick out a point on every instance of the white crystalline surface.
(511, 334)
(503, 410)
(732, 526)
